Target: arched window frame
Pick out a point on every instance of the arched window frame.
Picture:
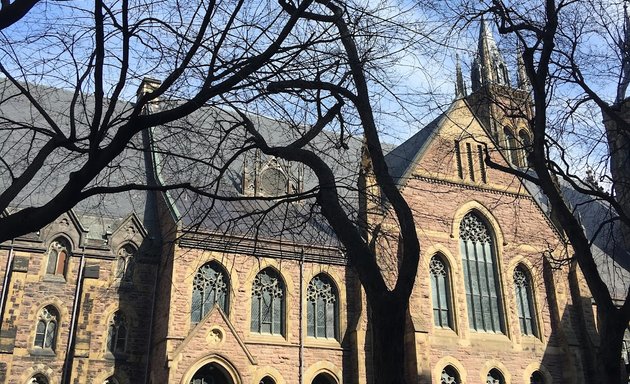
(117, 333)
(511, 146)
(211, 286)
(267, 380)
(125, 262)
(537, 378)
(481, 274)
(38, 378)
(46, 328)
(524, 297)
(322, 297)
(450, 375)
(439, 274)
(268, 303)
(58, 257)
(495, 377)
(526, 144)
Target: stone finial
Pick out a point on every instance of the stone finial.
(460, 85)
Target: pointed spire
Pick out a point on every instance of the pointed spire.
(523, 80)
(460, 86)
(624, 46)
(488, 65)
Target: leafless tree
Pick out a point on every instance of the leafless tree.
(575, 56)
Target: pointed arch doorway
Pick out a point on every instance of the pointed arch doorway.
(211, 373)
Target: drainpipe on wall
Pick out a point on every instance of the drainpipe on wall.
(301, 301)
(5, 284)
(150, 341)
(67, 367)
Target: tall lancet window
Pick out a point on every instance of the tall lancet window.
(322, 303)
(268, 303)
(525, 301)
(480, 274)
(440, 292)
(511, 146)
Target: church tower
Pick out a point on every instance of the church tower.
(503, 109)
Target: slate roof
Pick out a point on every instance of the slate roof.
(98, 214)
(613, 260)
(196, 147)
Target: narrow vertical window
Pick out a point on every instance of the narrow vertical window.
(125, 263)
(57, 257)
(117, 333)
(526, 147)
(524, 301)
(268, 303)
(458, 158)
(511, 146)
(210, 288)
(449, 376)
(471, 165)
(322, 308)
(46, 330)
(440, 292)
(480, 275)
(482, 164)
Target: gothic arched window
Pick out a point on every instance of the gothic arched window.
(267, 380)
(537, 378)
(46, 331)
(495, 377)
(125, 262)
(480, 275)
(526, 144)
(117, 333)
(210, 288)
(525, 301)
(449, 376)
(268, 303)
(58, 253)
(511, 146)
(322, 308)
(440, 292)
(38, 379)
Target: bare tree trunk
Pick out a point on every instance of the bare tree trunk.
(611, 329)
(388, 314)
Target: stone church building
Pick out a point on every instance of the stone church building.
(142, 291)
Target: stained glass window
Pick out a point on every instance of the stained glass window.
(524, 301)
(440, 292)
(268, 303)
(210, 287)
(322, 304)
(480, 275)
(46, 331)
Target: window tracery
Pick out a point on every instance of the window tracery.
(46, 331)
(495, 377)
(210, 288)
(440, 292)
(480, 275)
(267, 303)
(322, 313)
(524, 302)
(449, 376)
